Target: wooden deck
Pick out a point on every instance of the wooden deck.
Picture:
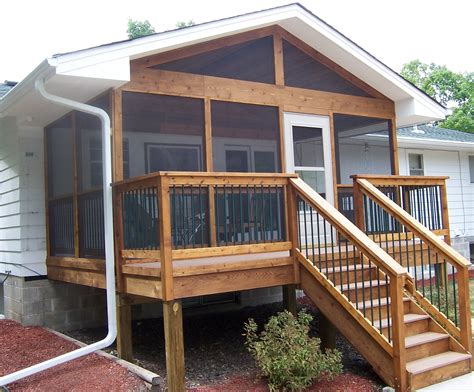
(236, 232)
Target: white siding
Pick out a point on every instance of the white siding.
(460, 191)
(22, 221)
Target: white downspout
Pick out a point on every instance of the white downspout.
(109, 245)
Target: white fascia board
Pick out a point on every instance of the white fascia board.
(407, 142)
(423, 101)
(166, 41)
(44, 70)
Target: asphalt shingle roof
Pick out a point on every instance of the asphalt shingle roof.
(435, 133)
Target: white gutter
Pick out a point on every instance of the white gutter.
(109, 246)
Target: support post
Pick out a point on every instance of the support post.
(124, 329)
(289, 298)
(174, 345)
(327, 333)
(398, 333)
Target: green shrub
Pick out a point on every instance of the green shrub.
(286, 355)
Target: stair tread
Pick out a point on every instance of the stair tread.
(425, 337)
(435, 361)
(364, 284)
(345, 268)
(407, 318)
(377, 302)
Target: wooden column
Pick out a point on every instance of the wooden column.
(394, 146)
(165, 238)
(124, 329)
(398, 332)
(174, 345)
(327, 333)
(289, 298)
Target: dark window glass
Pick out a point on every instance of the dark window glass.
(362, 146)
(251, 60)
(244, 136)
(163, 133)
(302, 70)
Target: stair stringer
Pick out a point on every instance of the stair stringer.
(380, 360)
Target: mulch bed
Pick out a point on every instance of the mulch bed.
(21, 347)
(216, 358)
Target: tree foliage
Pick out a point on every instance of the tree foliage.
(138, 28)
(451, 89)
(181, 24)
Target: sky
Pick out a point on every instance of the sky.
(395, 32)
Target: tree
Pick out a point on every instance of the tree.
(137, 28)
(451, 89)
(181, 24)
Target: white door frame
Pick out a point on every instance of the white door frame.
(312, 121)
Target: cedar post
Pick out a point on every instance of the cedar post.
(124, 329)
(289, 298)
(174, 346)
(327, 332)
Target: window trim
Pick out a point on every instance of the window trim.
(415, 152)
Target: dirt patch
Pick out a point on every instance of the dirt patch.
(215, 353)
(25, 346)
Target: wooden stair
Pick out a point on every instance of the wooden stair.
(432, 355)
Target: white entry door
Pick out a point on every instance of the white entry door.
(308, 151)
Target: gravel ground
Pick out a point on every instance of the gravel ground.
(215, 351)
(21, 347)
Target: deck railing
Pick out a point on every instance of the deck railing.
(199, 214)
(439, 275)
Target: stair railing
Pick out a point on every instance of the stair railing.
(327, 244)
(438, 275)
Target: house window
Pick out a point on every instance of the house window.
(415, 164)
(471, 168)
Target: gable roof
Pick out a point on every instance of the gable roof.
(86, 73)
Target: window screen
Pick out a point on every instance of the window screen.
(163, 133)
(251, 60)
(302, 70)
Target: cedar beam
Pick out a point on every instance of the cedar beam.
(174, 345)
(124, 329)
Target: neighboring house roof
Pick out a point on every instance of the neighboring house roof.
(83, 74)
(6, 87)
(426, 135)
(435, 133)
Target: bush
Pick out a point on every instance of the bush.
(286, 355)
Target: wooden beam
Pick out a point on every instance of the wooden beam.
(174, 345)
(398, 333)
(46, 191)
(278, 58)
(117, 135)
(124, 329)
(163, 201)
(394, 146)
(230, 90)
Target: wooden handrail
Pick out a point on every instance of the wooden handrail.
(206, 178)
(348, 229)
(424, 233)
(385, 180)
